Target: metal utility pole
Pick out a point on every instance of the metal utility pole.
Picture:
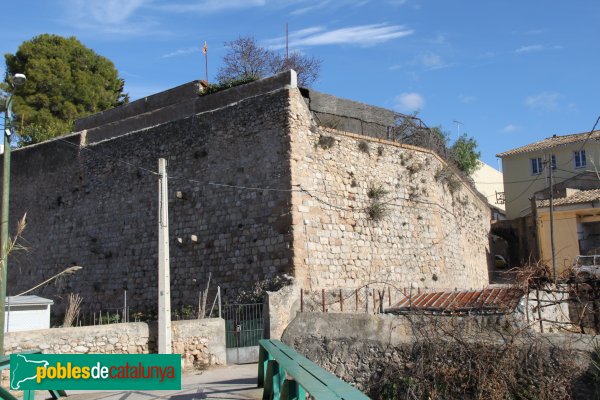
(5, 211)
(458, 124)
(554, 271)
(164, 281)
(17, 81)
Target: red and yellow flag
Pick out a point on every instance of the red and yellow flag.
(205, 48)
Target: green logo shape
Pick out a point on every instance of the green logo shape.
(95, 371)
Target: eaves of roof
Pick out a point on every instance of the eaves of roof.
(552, 142)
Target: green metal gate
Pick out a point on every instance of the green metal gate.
(244, 327)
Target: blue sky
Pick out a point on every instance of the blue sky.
(510, 71)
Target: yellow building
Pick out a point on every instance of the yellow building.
(488, 181)
(525, 169)
(576, 226)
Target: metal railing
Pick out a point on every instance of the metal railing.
(286, 374)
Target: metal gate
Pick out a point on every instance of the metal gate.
(244, 327)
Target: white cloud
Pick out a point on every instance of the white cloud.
(182, 52)
(108, 11)
(307, 9)
(109, 16)
(511, 128)
(210, 6)
(543, 101)
(360, 35)
(463, 98)
(431, 60)
(532, 48)
(409, 102)
(534, 32)
(440, 38)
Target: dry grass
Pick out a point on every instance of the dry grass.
(72, 310)
(12, 244)
(451, 361)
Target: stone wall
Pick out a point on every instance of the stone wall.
(445, 357)
(201, 343)
(96, 206)
(434, 227)
(252, 194)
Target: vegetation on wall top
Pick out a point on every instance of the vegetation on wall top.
(227, 84)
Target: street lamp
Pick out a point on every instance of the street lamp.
(17, 81)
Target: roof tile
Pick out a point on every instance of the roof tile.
(583, 196)
(551, 142)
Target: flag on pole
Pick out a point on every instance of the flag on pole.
(205, 48)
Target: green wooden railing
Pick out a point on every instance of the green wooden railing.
(285, 374)
(27, 394)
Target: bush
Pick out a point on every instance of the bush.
(227, 85)
(326, 142)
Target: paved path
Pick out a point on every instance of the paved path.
(236, 382)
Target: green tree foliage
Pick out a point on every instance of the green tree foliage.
(65, 81)
(440, 136)
(246, 59)
(464, 151)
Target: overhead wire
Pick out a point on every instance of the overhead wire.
(108, 156)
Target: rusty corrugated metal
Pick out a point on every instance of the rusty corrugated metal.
(486, 301)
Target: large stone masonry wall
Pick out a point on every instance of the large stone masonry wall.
(201, 343)
(96, 206)
(434, 229)
(252, 194)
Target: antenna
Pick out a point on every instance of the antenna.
(286, 45)
(458, 124)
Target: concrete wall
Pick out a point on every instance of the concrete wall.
(429, 235)
(350, 116)
(566, 237)
(489, 181)
(200, 342)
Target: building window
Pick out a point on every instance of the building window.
(579, 157)
(536, 166)
(553, 161)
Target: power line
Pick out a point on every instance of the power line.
(526, 189)
(590, 134)
(107, 156)
(310, 193)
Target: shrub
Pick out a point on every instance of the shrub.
(227, 85)
(376, 192)
(377, 211)
(364, 146)
(326, 142)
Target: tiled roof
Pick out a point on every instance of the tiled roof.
(583, 196)
(486, 301)
(551, 142)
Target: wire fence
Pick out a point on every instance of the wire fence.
(370, 299)
(209, 306)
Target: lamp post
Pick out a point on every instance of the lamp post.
(18, 81)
